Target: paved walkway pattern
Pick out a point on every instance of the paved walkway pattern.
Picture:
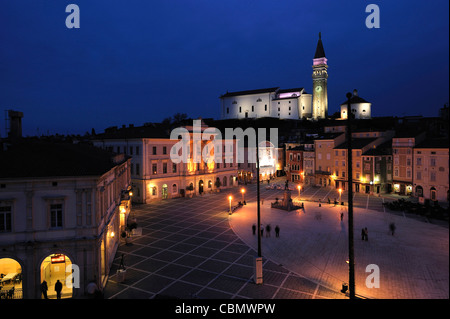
(192, 248)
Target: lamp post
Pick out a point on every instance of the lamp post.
(258, 260)
(230, 198)
(299, 189)
(340, 193)
(243, 197)
(351, 256)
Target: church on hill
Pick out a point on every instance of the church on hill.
(275, 102)
(293, 103)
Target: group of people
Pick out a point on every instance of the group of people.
(58, 289)
(268, 228)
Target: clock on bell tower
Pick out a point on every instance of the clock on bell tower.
(320, 76)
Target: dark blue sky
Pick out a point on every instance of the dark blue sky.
(139, 61)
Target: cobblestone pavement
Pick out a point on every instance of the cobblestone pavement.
(191, 248)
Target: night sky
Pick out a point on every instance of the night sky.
(138, 61)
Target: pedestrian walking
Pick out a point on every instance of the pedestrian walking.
(58, 288)
(44, 288)
(392, 228)
(363, 234)
(366, 234)
(320, 204)
(262, 230)
(122, 264)
(254, 229)
(342, 216)
(277, 231)
(268, 228)
(329, 201)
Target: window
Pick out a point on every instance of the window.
(419, 175)
(265, 107)
(432, 176)
(56, 215)
(343, 174)
(154, 190)
(131, 150)
(164, 150)
(132, 169)
(419, 161)
(174, 168)
(138, 171)
(164, 168)
(5, 218)
(253, 108)
(154, 150)
(174, 189)
(137, 150)
(432, 161)
(240, 109)
(154, 169)
(228, 110)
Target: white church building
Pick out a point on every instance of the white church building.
(293, 103)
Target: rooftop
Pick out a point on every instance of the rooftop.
(249, 92)
(357, 143)
(37, 158)
(434, 143)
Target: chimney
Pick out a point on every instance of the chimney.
(15, 124)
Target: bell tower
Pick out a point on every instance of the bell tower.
(320, 76)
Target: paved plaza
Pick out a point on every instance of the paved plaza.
(192, 248)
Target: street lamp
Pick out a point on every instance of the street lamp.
(230, 198)
(243, 197)
(299, 189)
(340, 193)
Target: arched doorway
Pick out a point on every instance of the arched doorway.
(10, 279)
(165, 191)
(200, 187)
(56, 268)
(419, 191)
(433, 194)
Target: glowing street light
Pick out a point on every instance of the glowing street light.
(340, 193)
(230, 198)
(243, 192)
(299, 189)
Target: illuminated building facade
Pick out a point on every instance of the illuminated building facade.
(155, 176)
(274, 102)
(431, 171)
(62, 205)
(402, 152)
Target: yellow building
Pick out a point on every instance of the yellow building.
(431, 171)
